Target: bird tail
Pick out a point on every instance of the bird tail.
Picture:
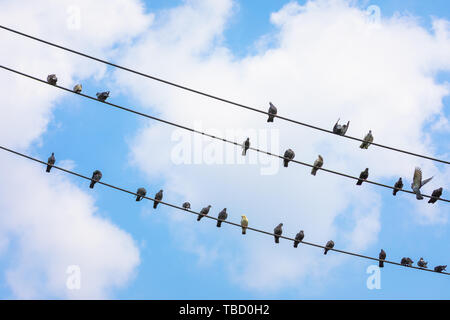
(313, 171)
(48, 168)
(325, 252)
(138, 198)
(295, 244)
(219, 223)
(270, 119)
(359, 182)
(381, 264)
(363, 146)
(244, 152)
(244, 230)
(199, 217)
(431, 200)
(277, 239)
(92, 185)
(419, 196)
(155, 204)
(286, 163)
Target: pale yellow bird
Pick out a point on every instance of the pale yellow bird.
(244, 224)
(77, 88)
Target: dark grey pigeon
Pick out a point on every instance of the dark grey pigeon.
(298, 238)
(96, 176)
(289, 154)
(340, 129)
(363, 176)
(422, 263)
(381, 256)
(245, 146)
(141, 192)
(186, 205)
(102, 96)
(398, 186)
(51, 78)
(435, 195)
(328, 246)
(406, 262)
(204, 212)
(222, 217)
(158, 198)
(278, 231)
(272, 112)
(50, 162)
(440, 268)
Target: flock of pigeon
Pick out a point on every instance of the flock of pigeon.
(289, 155)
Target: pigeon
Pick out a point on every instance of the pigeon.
(363, 176)
(368, 139)
(204, 212)
(381, 256)
(398, 186)
(244, 224)
(96, 176)
(440, 268)
(406, 262)
(422, 263)
(298, 238)
(158, 197)
(141, 192)
(340, 129)
(245, 146)
(272, 112)
(418, 183)
(435, 195)
(317, 165)
(51, 78)
(289, 155)
(77, 88)
(186, 205)
(102, 96)
(50, 162)
(328, 246)
(278, 231)
(222, 217)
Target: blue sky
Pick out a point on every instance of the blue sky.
(97, 137)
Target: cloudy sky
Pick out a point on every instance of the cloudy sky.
(383, 65)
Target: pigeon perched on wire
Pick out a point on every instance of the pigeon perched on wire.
(77, 88)
(368, 139)
(398, 186)
(186, 206)
(422, 263)
(223, 215)
(102, 96)
(245, 146)
(141, 192)
(435, 195)
(381, 256)
(406, 262)
(203, 212)
(340, 129)
(96, 176)
(363, 176)
(158, 198)
(317, 165)
(52, 79)
(418, 183)
(244, 224)
(272, 112)
(289, 155)
(278, 231)
(298, 238)
(328, 246)
(50, 162)
(440, 268)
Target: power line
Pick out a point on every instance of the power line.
(210, 135)
(215, 97)
(210, 217)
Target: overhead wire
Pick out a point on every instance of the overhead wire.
(240, 105)
(211, 217)
(212, 136)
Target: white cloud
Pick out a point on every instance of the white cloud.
(328, 62)
(53, 223)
